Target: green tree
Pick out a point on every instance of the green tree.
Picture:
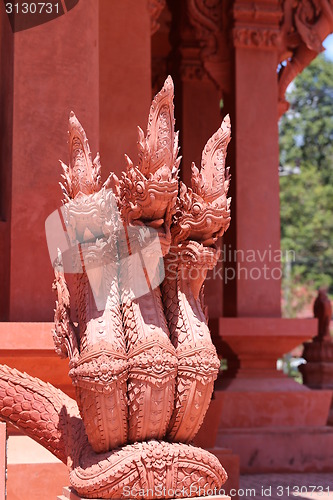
(306, 140)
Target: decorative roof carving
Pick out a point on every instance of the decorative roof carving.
(211, 23)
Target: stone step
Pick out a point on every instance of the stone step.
(280, 449)
(33, 473)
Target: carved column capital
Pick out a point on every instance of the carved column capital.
(257, 24)
(155, 8)
(256, 37)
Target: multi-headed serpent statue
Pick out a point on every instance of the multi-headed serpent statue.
(141, 359)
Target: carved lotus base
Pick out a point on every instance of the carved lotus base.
(69, 494)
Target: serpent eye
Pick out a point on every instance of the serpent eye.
(196, 209)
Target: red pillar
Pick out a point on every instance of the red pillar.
(258, 272)
(55, 71)
(6, 125)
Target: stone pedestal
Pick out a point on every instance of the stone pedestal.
(29, 347)
(262, 407)
(33, 473)
(69, 494)
(252, 346)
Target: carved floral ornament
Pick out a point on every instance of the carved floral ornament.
(141, 359)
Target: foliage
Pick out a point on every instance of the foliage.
(306, 140)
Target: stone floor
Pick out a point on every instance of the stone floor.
(312, 486)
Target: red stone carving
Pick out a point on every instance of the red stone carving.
(305, 26)
(100, 371)
(256, 37)
(148, 193)
(143, 365)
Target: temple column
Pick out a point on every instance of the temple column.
(86, 62)
(55, 71)
(258, 267)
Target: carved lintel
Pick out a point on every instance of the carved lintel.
(123, 362)
(155, 8)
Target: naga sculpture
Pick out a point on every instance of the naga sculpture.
(140, 353)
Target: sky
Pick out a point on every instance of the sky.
(328, 44)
